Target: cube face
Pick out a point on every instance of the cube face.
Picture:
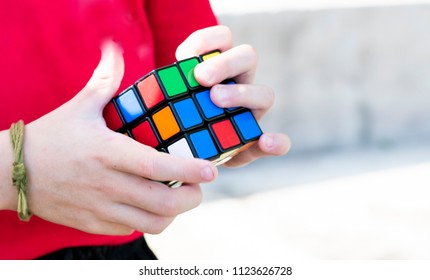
(180, 148)
(145, 134)
(187, 113)
(111, 115)
(168, 110)
(187, 68)
(166, 123)
(225, 134)
(150, 91)
(208, 108)
(203, 144)
(247, 126)
(129, 106)
(209, 55)
(172, 81)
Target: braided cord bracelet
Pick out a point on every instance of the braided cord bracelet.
(19, 173)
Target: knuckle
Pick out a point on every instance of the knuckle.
(147, 168)
(197, 39)
(103, 214)
(102, 83)
(228, 33)
(101, 158)
(99, 84)
(100, 213)
(146, 164)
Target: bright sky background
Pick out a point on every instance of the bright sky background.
(253, 6)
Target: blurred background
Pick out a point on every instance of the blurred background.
(353, 93)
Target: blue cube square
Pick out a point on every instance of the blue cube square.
(209, 109)
(129, 106)
(187, 113)
(203, 144)
(247, 126)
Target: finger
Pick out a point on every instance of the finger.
(89, 220)
(138, 219)
(205, 40)
(121, 219)
(239, 63)
(108, 228)
(105, 80)
(255, 97)
(156, 197)
(269, 144)
(132, 157)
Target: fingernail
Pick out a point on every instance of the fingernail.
(204, 74)
(269, 142)
(221, 94)
(207, 174)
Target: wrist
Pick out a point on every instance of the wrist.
(8, 193)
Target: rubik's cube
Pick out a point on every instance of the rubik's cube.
(168, 110)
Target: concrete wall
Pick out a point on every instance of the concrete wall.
(345, 78)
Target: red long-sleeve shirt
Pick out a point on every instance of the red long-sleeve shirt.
(48, 52)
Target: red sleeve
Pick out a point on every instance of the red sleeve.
(172, 21)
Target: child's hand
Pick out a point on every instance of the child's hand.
(239, 63)
(83, 175)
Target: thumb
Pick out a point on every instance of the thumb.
(105, 80)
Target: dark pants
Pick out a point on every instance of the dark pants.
(135, 250)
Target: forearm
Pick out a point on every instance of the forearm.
(8, 193)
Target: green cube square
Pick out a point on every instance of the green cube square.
(172, 81)
(187, 68)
